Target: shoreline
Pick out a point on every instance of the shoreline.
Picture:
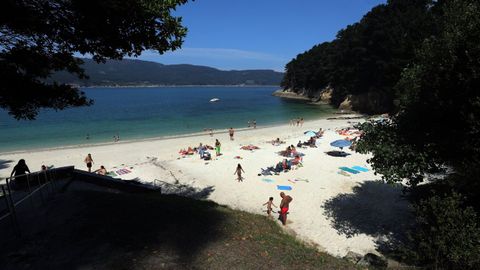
(156, 138)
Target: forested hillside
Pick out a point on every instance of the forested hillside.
(365, 61)
(137, 72)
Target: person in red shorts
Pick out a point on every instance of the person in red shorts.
(284, 204)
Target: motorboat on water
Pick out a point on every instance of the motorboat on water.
(214, 99)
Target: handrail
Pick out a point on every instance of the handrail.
(49, 180)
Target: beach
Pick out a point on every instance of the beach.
(320, 190)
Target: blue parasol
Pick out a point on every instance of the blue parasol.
(341, 143)
(310, 133)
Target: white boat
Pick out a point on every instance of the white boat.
(214, 99)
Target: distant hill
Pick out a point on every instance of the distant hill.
(136, 72)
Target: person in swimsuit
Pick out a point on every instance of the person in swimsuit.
(217, 147)
(89, 162)
(101, 171)
(269, 204)
(238, 172)
(230, 131)
(284, 205)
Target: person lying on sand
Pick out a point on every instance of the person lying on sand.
(269, 204)
(276, 142)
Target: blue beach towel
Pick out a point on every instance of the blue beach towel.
(266, 180)
(360, 168)
(349, 170)
(284, 187)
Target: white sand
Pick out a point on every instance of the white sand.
(158, 159)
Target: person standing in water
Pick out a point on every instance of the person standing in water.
(238, 172)
(254, 123)
(89, 161)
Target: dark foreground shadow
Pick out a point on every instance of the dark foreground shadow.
(374, 208)
(101, 230)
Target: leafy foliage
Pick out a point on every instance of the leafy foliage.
(437, 125)
(40, 37)
(366, 58)
(447, 235)
(436, 135)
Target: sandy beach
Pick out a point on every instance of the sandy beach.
(151, 160)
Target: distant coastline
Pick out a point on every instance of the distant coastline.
(177, 85)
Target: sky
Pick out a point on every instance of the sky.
(258, 34)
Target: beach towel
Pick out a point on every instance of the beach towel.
(360, 168)
(266, 180)
(293, 181)
(344, 173)
(284, 187)
(123, 171)
(301, 180)
(349, 170)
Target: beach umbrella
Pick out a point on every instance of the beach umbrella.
(341, 143)
(310, 133)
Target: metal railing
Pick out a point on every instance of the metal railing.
(20, 188)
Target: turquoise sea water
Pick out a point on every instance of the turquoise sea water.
(138, 113)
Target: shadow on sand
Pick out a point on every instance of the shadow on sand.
(86, 229)
(374, 208)
(179, 189)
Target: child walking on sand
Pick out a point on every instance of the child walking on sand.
(269, 204)
(238, 172)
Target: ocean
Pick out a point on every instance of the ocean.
(149, 112)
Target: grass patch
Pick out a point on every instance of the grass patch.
(87, 229)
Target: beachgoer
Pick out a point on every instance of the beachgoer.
(89, 161)
(201, 150)
(299, 144)
(288, 151)
(19, 172)
(44, 168)
(101, 171)
(88, 136)
(254, 124)
(211, 132)
(230, 132)
(301, 121)
(269, 204)
(238, 172)
(249, 124)
(217, 147)
(284, 205)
